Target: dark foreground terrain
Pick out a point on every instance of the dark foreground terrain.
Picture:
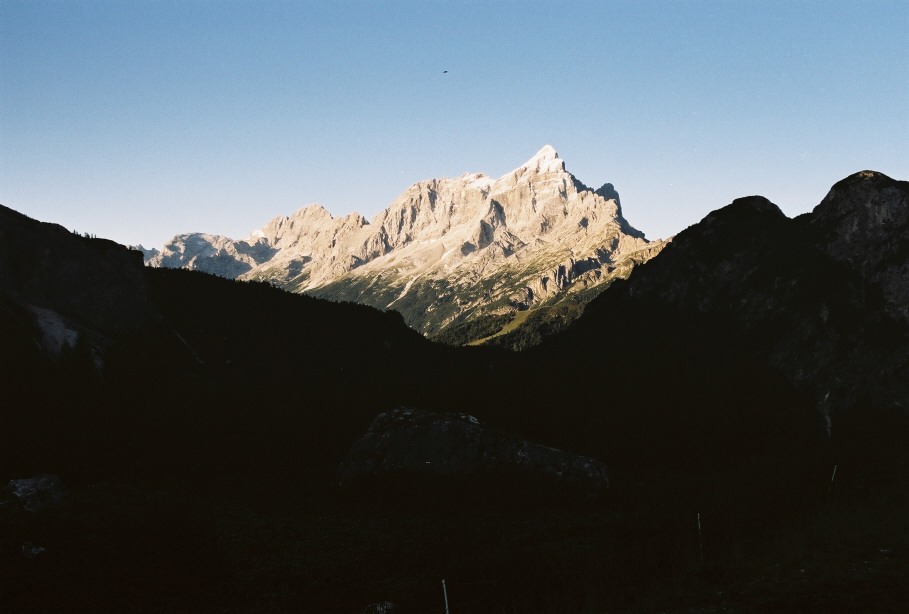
(746, 389)
(271, 546)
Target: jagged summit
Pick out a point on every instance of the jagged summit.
(544, 161)
(547, 151)
(546, 154)
(445, 250)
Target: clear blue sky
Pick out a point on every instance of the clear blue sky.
(139, 120)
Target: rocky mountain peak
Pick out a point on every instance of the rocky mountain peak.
(544, 161)
(865, 191)
(445, 249)
(863, 222)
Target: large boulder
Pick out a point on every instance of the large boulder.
(411, 442)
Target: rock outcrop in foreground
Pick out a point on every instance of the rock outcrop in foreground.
(447, 251)
(411, 442)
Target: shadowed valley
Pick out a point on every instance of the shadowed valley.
(723, 430)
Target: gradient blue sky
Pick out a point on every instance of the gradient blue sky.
(140, 120)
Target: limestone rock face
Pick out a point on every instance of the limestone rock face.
(444, 251)
(408, 441)
(210, 254)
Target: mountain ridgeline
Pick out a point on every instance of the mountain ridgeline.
(458, 256)
(822, 298)
(257, 449)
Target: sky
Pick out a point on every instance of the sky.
(139, 120)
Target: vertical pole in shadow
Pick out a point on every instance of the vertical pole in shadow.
(832, 478)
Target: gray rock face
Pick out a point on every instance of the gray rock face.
(409, 441)
(445, 251)
(212, 254)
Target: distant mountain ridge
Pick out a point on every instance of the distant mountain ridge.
(445, 252)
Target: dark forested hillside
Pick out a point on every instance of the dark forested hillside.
(745, 390)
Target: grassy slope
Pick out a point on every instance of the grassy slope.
(519, 318)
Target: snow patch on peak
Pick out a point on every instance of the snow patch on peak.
(547, 152)
(477, 180)
(546, 160)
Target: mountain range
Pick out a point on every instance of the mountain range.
(744, 390)
(446, 253)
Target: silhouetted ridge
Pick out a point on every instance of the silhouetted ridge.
(95, 285)
(744, 211)
(822, 300)
(864, 180)
(200, 448)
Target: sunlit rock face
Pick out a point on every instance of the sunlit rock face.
(445, 251)
(411, 442)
